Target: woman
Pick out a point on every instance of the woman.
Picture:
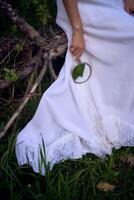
(98, 115)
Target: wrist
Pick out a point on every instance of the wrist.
(77, 28)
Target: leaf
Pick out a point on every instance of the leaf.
(18, 47)
(104, 186)
(10, 74)
(78, 71)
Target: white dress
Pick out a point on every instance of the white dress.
(98, 115)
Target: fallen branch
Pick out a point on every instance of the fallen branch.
(48, 49)
(57, 44)
(28, 68)
(26, 99)
(27, 29)
(22, 24)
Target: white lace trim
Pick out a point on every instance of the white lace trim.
(71, 146)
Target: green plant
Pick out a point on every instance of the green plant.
(10, 74)
(43, 14)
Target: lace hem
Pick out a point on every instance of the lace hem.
(110, 132)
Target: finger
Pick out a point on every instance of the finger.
(79, 51)
(73, 47)
(78, 55)
(75, 51)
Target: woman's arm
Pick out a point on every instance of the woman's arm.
(73, 13)
(77, 47)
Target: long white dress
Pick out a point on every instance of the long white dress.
(98, 115)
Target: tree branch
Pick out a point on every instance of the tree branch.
(27, 97)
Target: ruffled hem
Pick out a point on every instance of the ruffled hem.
(110, 132)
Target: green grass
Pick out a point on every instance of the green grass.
(69, 180)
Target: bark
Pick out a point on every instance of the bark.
(55, 46)
(48, 49)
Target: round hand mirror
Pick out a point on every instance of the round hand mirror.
(81, 72)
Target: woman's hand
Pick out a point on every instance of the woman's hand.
(78, 44)
(129, 6)
(77, 47)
